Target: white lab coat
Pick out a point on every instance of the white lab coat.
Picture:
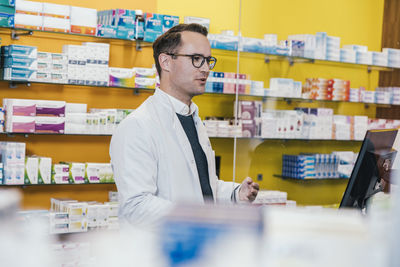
(154, 165)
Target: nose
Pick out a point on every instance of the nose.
(205, 67)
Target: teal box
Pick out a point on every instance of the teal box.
(125, 33)
(19, 74)
(7, 9)
(6, 20)
(7, 3)
(20, 62)
(107, 31)
(19, 50)
(153, 26)
(125, 18)
(169, 22)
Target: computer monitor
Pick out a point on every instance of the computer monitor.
(372, 168)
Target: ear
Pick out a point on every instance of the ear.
(165, 62)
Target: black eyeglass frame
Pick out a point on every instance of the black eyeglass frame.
(204, 59)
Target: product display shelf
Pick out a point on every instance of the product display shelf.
(295, 59)
(212, 137)
(137, 90)
(310, 179)
(35, 185)
(16, 32)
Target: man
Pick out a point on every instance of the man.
(161, 153)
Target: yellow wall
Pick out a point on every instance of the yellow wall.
(355, 21)
(77, 148)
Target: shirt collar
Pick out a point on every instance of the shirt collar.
(180, 107)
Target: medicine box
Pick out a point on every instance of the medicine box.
(25, 21)
(44, 170)
(122, 77)
(20, 124)
(7, 3)
(31, 170)
(19, 50)
(83, 20)
(50, 108)
(202, 21)
(153, 26)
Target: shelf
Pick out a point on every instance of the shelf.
(267, 57)
(17, 32)
(136, 91)
(48, 134)
(36, 185)
(211, 137)
(310, 179)
(285, 139)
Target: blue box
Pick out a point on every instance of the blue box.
(125, 33)
(107, 31)
(153, 26)
(224, 42)
(124, 17)
(168, 22)
(6, 20)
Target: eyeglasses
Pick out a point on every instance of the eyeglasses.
(198, 60)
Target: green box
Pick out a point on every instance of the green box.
(7, 3)
(7, 9)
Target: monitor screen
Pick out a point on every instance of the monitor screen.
(372, 168)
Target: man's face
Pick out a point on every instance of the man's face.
(186, 79)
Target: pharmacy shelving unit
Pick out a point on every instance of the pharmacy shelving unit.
(15, 34)
(137, 90)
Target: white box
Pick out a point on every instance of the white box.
(44, 170)
(78, 226)
(59, 58)
(43, 67)
(83, 20)
(28, 7)
(75, 108)
(31, 170)
(105, 173)
(60, 178)
(202, 21)
(361, 48)
(49, 124)
(59, 222)
(60, 168)
(20, 124)
(56, 24)
(19, 107)
(57, 11)
(92, 172)
(76, 118)
(145, 72)
(43, 57)
(76, 210)
(25, 21)
(77, 172)
(101, 52)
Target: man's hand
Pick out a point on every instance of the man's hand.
(248, 190)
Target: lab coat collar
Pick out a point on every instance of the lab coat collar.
(178, 106)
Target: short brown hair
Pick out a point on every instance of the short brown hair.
(171, 40)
